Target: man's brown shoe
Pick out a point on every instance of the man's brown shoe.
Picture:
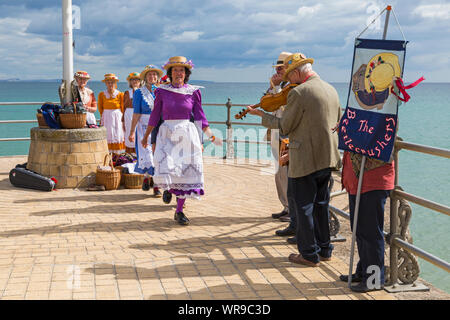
(297, 258)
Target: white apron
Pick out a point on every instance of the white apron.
(144, 162)
(112, 120)
(178, 157)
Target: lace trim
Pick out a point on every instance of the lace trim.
(187, 89)
(114, 95)
(148, 97)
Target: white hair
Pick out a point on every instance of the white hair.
(305, 68)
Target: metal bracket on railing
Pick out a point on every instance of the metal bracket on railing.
(406, 268)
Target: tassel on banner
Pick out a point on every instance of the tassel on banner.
(402, 88)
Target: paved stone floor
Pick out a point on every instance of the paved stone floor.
(124, 244)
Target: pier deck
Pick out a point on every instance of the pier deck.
(124, 244)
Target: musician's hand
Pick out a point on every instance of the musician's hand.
(276, 79)
(252, 110)
(131, 137)
(284, 159)
(336, 128)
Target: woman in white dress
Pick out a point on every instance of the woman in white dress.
(110, 106)
(87, 97)
(143, 102)
(134, 82)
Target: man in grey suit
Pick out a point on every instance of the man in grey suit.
(312, 109)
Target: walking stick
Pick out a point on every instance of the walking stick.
(355, 219)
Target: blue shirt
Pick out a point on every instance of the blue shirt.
(140, 105)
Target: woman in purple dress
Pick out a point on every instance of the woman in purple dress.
(178, 154)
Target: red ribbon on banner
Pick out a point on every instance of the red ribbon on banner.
(402, 88)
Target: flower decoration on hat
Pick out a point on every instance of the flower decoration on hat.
(178, 61)
(82, 74)
(133, 75)
(148, 68)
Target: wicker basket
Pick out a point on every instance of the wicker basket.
(109, 178)
(133, 181)
(41, 121)
(73, 120)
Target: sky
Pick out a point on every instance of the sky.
(227, 40)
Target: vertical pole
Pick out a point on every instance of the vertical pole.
(386, 22)
(67, 48)
(355, 219)
(230, 149)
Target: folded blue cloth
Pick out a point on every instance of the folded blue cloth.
(50, 111)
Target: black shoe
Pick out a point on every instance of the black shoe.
(285, 232)
(279, 215)
(157, 193)
(146, 184)
(355, 277)
(181, 218)
(362, 287)
(167, 197)
(151, 182)
(292, 240)
(285, 219)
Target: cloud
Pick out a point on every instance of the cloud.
(219, 36)
(433, 11)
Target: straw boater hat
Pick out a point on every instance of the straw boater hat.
(133, 75)
(110, 76)
(149, 68)
(293, 61)
(281, 57)
(82, 75)
(380, 71)
(178, 61)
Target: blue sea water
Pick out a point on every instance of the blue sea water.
(423, 120)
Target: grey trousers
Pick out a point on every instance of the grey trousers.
(281, 181)
(281, 176)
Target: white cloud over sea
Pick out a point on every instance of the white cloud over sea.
(228, 40)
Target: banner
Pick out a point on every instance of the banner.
(369, 124)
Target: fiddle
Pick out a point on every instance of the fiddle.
(270, 102)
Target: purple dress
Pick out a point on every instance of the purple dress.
(178, 154)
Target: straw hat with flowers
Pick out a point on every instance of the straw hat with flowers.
(293, 61)
(149, 68)
(82, 75)
(178, 61)
(110, 76)
(133, 75)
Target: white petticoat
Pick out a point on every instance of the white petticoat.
(90, 118)
(178, 157)
(128, 117)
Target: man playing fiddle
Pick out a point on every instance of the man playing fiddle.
(312, 109)
(281, 176)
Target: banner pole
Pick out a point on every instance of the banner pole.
(355, 219)
(360, 180)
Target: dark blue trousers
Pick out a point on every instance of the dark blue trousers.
(311, 197)
(291, 204)
(369, 231)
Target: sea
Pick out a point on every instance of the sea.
(425, 119)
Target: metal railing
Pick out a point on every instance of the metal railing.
(395, 238)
